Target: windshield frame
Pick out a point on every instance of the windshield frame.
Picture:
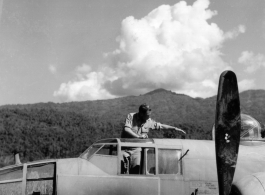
(92, 154)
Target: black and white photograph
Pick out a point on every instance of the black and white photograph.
(132, 97)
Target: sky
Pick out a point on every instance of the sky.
(77, 50)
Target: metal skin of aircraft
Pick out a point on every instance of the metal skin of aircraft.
(168, 166)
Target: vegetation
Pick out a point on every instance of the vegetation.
(49, 130)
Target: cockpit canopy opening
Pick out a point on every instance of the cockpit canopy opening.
(251, 129)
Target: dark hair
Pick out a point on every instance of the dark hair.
(144, 108)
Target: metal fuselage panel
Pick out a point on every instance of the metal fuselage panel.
(107, 185)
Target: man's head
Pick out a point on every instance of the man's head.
(144, 112)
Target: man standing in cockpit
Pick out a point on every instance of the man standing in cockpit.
(137, 125)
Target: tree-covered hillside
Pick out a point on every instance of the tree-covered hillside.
(50, 130)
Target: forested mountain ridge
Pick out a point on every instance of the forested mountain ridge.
(54, 130)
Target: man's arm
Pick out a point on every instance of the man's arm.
(128, 129)
(132, 134)
(163, 126)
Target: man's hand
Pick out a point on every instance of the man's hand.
(163, 126)
(177, 129)
(143, 136)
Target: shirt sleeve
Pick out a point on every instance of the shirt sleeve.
(155, 125)
(128, 121)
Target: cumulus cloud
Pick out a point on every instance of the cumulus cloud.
(86, 87)
(235, 32)
(173, 47)
(251, 61)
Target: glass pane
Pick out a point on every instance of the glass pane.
(250, 127)
(168, 161)
(108, 150)
(12, 173)
(40, 171)
(90, 151)
(131, 160)
(41, 187)
(11, 188)
(150, 161)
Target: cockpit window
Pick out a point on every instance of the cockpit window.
(105, 157)
(100, 149)
(10, 174)
(138, 161)
(90, 151)
(40, 171)
(168, 161)
(11, 181)
(108, 150)
(41, 179)
(150, 158)
(250, 127)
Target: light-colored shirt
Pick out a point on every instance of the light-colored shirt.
(134, 122)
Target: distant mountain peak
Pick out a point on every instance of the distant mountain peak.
(159, 90)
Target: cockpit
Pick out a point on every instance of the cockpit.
(135, 157)
(251, 129)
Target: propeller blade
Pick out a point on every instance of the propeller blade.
(227, 130)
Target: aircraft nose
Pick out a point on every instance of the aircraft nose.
(249, 185)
